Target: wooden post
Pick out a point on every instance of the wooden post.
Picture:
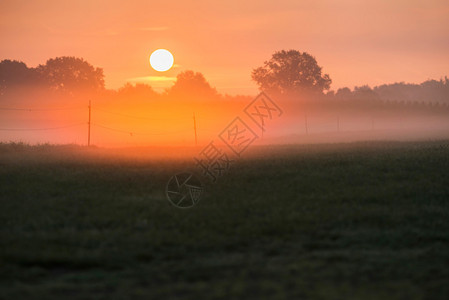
(307, 127)
(194, 128)
(88, 127)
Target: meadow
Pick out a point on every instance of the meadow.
(365, 220)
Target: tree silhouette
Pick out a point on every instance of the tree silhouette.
(71, 75)
(343, 93)
(138, 91)
(15, 73)
(192, 84)
(291, 72)
(364, 92)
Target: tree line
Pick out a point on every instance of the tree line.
(297, 75)
(291, 74)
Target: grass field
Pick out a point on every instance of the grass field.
(344, 221)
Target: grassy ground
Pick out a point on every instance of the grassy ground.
(348, 221)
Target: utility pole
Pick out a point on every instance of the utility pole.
(88, 127)
(194, 128)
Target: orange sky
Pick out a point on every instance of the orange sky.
(357, 42)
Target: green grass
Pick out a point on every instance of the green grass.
(347, 221)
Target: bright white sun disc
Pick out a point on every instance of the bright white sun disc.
(161, 60)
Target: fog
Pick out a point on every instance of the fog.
(139, 122)
(65, 102)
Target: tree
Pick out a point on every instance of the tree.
(364, 92)
(291, 72)
(344, 93)
(139, 91)
(192, 84)
(71, 75)
(15, 73)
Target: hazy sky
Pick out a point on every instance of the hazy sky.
(356, 42)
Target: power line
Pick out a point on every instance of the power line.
(39, 109)
(113, 129)
(48, 128)
(133, 117)
(131, 133)
(134, 133)
(177, 119)
(164, 133)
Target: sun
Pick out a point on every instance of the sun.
(161, 60)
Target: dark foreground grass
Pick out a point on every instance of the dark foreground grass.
(354, 221)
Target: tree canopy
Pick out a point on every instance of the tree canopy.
(71, 74)
(139, 91)
(189, 83)
(291, 72)
(14, 73)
